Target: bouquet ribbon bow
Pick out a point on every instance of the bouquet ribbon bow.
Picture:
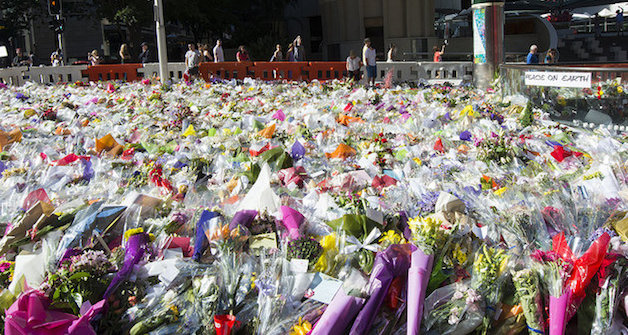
(354, 245)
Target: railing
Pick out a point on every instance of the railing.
(454, 72)
(56, 74)
(604, 101)
(13, 75)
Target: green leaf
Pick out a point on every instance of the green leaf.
(78, 301)
(79, 275)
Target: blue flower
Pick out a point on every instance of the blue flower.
(465, 135)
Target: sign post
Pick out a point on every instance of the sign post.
(488, 40)
(162, 46)
(55, 9)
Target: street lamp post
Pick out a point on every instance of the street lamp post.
(488, 40)
(161, 41)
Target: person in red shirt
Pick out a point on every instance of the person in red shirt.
(438, 54)
(242, 55)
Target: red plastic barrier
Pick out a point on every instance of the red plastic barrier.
(327, 70)
(225, 70)
(126, 72)
(280, 70)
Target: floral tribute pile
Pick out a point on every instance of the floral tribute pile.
(306, 208)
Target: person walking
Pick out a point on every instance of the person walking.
(242, 55)
(125, 55)
(597, 25)
(619, 21)
(353, 66)
(144, 56)
(551, 57)
(392, 53)
(533, 57)
(192, 61)
(277, 55)
(438, 54)
(370, 62)
(219, 55)
(93, 58)
(299, 50)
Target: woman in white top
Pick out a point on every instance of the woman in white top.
(392, 53)
(353, 67)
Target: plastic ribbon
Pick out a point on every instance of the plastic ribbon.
(353, 244)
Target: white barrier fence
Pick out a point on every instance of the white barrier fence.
(152, 69)
(56, 74)
(13, 75)
(453, 72)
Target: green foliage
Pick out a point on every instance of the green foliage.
(70, 290)
(15, 16)
(527, 116)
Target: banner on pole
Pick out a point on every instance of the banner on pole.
(558, 79)
(479, 35)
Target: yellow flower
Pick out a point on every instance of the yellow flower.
(301, 328)
(329, 242)
(620, 89)
(391, 237)
(132, 232)
(459, 254)
(330, 250)
(468, 110)
(562, 101)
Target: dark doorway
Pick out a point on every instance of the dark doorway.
(376, 34)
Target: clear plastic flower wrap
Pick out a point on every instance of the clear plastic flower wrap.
(453, 309)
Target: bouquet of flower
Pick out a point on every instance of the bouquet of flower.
(80, 279)
(555, 272)
(166, 315)
(428, 234)
(530, 297)
(488, 269)
(453, 309)
(612, 276)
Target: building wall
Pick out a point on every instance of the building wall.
(81, 36)
(303, 17)
(407, 23)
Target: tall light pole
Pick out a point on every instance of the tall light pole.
(488, 40)
(55, 9)
(162, 47)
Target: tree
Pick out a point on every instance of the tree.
(15, 16)
(132, 14)
(203, 19)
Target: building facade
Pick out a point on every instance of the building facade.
(409, 24)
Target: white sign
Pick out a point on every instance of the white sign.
(558, 79)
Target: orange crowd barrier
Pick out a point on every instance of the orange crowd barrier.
(280, 70)
(232, 70)
(126, 72)
(327, 70)
(225, 70)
